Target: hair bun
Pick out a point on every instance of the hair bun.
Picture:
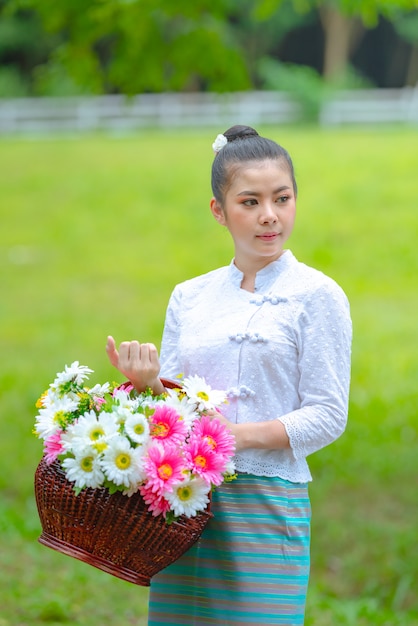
(240, 132)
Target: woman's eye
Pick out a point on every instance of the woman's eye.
(282, 199)
(250, 202)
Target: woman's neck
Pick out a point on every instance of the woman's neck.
(248, 283)
(250, 271)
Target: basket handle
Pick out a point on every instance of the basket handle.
(170, 384)
(167, 382)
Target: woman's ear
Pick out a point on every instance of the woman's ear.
(217, 211)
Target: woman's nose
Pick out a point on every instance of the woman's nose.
(268, 214)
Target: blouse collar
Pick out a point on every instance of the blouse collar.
(266, 276)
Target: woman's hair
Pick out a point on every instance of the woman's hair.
(244, 144)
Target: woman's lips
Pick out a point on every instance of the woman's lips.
(268, 236)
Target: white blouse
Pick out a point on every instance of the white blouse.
(282, 352)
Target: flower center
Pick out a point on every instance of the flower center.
(60, 418)
(211, 441)
(184, 493)
(200, 460)
(139, 429)
(96, 433)
(203, 395)
(160, 430)
(100, 446)
(165, 471)
(87, 464)
(123, 461)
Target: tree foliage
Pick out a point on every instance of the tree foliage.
(343, 22)
(367, 10)
(136, 46)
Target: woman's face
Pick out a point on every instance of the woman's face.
(259, 211)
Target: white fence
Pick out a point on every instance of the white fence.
(372, 106)
(118, 113)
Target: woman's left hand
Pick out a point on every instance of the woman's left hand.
(138, 362)
(266, 435)
(221, 418)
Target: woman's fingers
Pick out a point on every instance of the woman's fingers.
(149, 354)
(139, 362)
(149, 361)
(112, 353)
(133, 357)
(128, 355)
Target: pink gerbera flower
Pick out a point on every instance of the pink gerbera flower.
(166, 425)
(202, 460)
(53, 447)
(163, 466)
(157, 504)
(215, 434)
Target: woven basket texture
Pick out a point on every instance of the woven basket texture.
(112, 532)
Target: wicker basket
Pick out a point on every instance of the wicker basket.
(114, 533)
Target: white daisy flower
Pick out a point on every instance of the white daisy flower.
(84, 469)
(50, 398)
(202, 394)
(91, 429)
(189, 496)
(99, 390)
(53, 417)
(137, 428)
(121, 463)
(149, 403)
(75, 372)
(125, 401)
(181, 406)
(120, 414)
(230, 468)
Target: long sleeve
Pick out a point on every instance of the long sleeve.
(323, 338)
(170, 366)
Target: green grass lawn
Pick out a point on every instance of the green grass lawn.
(96, 231)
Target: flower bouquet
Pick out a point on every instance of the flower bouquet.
(125, 480)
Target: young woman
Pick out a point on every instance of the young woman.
(276, 334)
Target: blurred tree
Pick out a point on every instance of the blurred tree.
(258, 37)
(342, 34)
(136, 46)
(23, 44)
(343, 23)
(407, 27)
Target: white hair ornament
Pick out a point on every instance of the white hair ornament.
(219, 143)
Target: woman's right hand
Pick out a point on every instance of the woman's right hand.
(138, 362)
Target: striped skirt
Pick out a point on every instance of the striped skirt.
(251, 565)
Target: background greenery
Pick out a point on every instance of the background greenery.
(114, 46)
(95, 232)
